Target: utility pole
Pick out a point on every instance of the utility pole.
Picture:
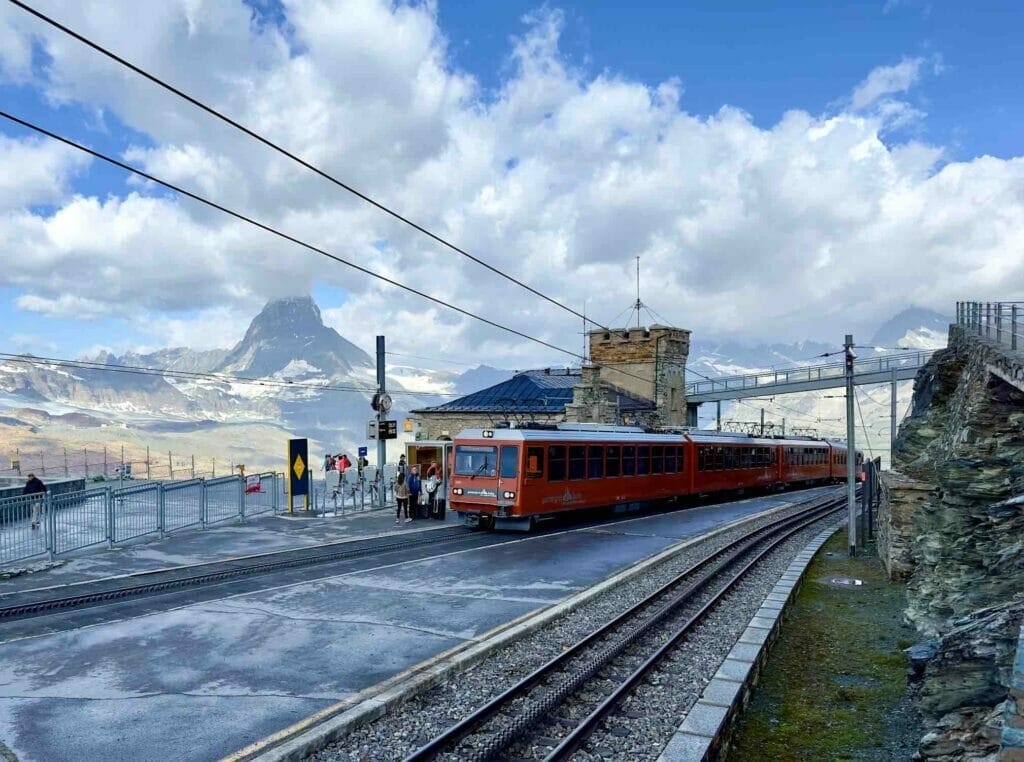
(851, 448)
(718, 415)
(382, 445)
(783, 427)
(762, 422)
(892, 417)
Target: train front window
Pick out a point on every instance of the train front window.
(476, 460)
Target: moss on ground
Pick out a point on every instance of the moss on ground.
(834, 687)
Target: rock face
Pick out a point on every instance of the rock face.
(954, 525)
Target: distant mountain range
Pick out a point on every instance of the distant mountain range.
(49, 406)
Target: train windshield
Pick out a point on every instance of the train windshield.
(476, 460)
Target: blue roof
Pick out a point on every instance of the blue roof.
(533, 391)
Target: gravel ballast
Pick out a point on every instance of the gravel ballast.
(658, 707)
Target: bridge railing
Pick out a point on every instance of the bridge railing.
(809, 373)
(1003, 322)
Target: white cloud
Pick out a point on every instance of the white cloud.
(33, 344)
(559, 177)
(886, 80)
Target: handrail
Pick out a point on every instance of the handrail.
(1001, 321)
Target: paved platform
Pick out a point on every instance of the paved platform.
(234, 670)
(261, 534)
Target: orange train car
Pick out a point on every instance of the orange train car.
(511, 478)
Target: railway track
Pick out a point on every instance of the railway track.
(564, 701)
(40, 602)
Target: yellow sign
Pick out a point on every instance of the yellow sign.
(299, 467)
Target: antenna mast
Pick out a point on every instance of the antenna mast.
(639, 304)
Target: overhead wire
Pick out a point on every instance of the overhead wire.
(293, 157)
(867, 437)
(196, 376)
(279, 233)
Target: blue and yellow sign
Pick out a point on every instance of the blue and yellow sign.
(298, 470)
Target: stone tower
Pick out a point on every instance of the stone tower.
(646, 362)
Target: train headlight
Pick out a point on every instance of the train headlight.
(457, 491)
(509, 495)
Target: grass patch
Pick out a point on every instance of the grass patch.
(836, 679)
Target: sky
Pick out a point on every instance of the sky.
(790, 172)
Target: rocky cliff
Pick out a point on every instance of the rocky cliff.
(955, 527)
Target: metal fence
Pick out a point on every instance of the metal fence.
(51, 525)
(999, 321)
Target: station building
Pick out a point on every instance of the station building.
(635, 376)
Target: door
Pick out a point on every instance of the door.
(508, 472)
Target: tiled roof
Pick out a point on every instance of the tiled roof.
(533, 391)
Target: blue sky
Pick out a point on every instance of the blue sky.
(762, 59)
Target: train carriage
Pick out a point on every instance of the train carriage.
(724, 462)
(805, 461)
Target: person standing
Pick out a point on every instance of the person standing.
(35, 487)
(414, 489)
(401, 464)
(402, 498)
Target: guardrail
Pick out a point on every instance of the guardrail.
(1000, 321)
(809, 373)
(51, 525)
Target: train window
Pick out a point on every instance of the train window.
(612, 463)
(719, 458)
(702, 458)
(680, 460)
(534, 462)
(643, 460)
(577, 462)
(658, 459)
(628, 460)
(730, 457)
(556, 463)
(476, 460)
(509, 467)
(595, 462)
(670, 459)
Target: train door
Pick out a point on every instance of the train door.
(508, 474)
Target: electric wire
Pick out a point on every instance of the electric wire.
(222, 378)
(293, 157)
(279, 233)
(867, 438)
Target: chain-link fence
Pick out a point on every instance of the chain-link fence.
(51, 525)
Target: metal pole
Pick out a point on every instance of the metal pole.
(42, 463)
(85, 456)
(382, 445)
(1013, 327)
(851, 448)
(66, 472)
(170, 466)
(783, 427)
(149, 471)
(892, 416)
(999, 322)
(762, 421)
(718, 414)
(213, 468)
(17, 457)
(193, 466)
(120, 471)
(104, 461)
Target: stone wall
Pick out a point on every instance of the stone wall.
(902, 497)
(955, 524)
(446, 425)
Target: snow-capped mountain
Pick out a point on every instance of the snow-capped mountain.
(51, 407)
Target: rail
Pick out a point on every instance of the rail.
(999, 321)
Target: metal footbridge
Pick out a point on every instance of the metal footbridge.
(880, 369)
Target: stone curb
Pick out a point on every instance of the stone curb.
(1011, 748)
(702, 733)
(327, 726)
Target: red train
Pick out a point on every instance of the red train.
(511, 478)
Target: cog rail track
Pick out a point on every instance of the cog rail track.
(518, 709)
(43, 606)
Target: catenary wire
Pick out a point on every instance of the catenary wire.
(182, 375)
(279, 233)
(298, 160)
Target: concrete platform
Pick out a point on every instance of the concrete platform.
(262, 534)
(203, 680)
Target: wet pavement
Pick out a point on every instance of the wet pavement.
(205, 679)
